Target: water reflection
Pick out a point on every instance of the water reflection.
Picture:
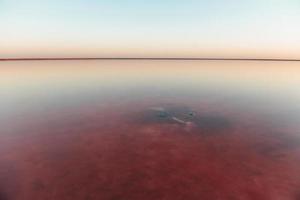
(149, 130)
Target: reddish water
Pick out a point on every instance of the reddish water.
(147, 143)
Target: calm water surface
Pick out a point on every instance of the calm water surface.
(132, 130)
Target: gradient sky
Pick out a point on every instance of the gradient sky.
(156, 28)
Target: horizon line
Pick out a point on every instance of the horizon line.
(151, 58)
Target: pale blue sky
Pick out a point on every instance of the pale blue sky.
(193, 28)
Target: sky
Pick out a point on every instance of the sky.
(156, 28)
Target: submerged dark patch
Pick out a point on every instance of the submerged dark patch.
(167, 114)
(212, 122)
(184, 116)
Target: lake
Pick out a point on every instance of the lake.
(149, 129)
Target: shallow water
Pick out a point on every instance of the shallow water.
(149, 130)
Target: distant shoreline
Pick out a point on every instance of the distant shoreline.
(151, 58)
